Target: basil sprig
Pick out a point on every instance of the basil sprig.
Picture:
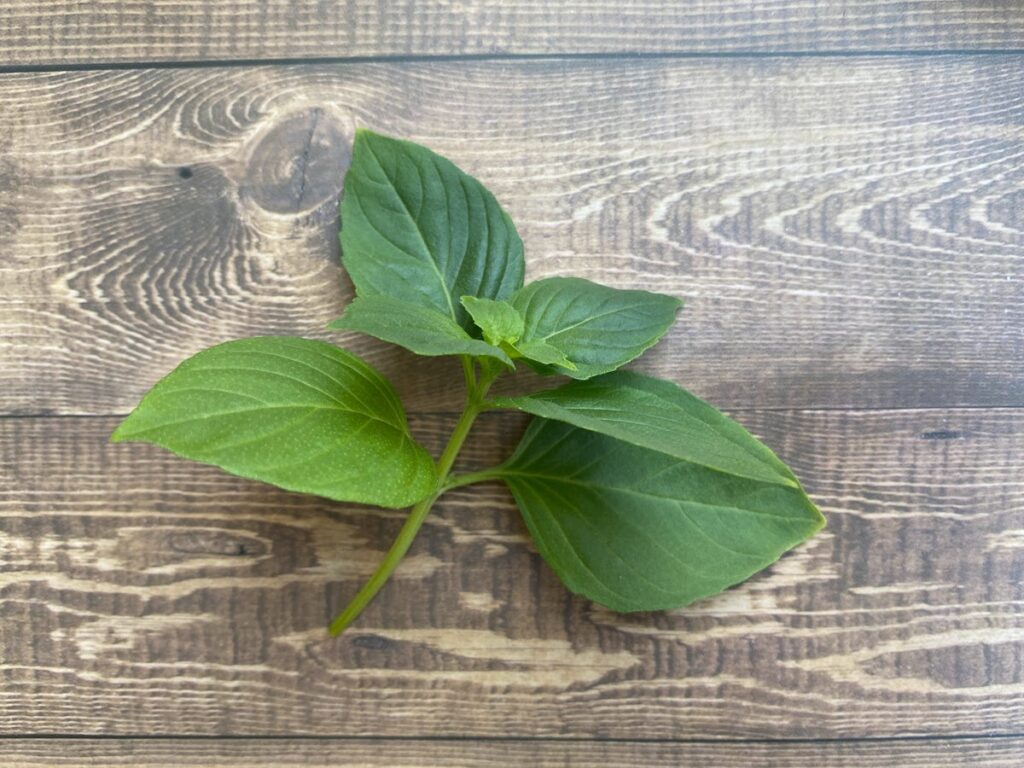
(639, 495)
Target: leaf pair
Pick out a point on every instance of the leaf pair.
(638, 494)
(643, 497)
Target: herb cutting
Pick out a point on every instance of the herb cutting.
(639, 495)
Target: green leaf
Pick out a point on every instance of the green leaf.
(541, 352)
(300, 414)
(497, 320)
(418, 229)
(419, 329)
(661, 416)
(638, 530)
(596, 327)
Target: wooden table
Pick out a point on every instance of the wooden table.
(835, 188)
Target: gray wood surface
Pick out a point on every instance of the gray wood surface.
(841, 209)
(329, 753)
(100, 31)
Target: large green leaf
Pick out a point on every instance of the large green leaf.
(416, 228)
(419, 329)
(634, 529)
(300, 414)
(596, 327)
(659, 415)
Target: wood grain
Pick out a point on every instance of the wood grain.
(144, 595)
(846, 233)
(85, 31)
(938, 753)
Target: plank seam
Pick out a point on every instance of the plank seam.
(625, 56)
(726, 408)
(454, 739)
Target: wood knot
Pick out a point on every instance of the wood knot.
(943, 434)
(299, 164)
(372, 642)
(216, 542)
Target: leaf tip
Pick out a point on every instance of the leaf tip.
(364, 135)
(820, 521)
(118, 435)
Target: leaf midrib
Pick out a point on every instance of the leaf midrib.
(584, 321)
(582, 409)
(419, 233)
(502, 473)
(265, 407)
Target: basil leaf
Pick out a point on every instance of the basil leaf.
(300, 414)
(498, 321)
(416, 228)
(419, 329)
(661, 416)
(597, 327)
(545, 354)
(638, 530)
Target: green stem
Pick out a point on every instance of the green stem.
(469, 478)
(469, 372)
(474, 406)
(383, 572)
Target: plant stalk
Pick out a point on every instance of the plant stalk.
(476, 391)
(470, 478)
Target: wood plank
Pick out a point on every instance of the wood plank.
(846, 233)
(141, 594)
(85, 31)
(939, 753)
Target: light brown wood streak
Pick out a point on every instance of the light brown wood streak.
(141, 594)
(846, 233)
(992, 753)
(66, 31)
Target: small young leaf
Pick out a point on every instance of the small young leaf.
(497, 320)
(419, 329)
(661, 416)
(502, 325)
(545, 354)
(300, 414)
(596, 327)
(638, 530)
(418, 229)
